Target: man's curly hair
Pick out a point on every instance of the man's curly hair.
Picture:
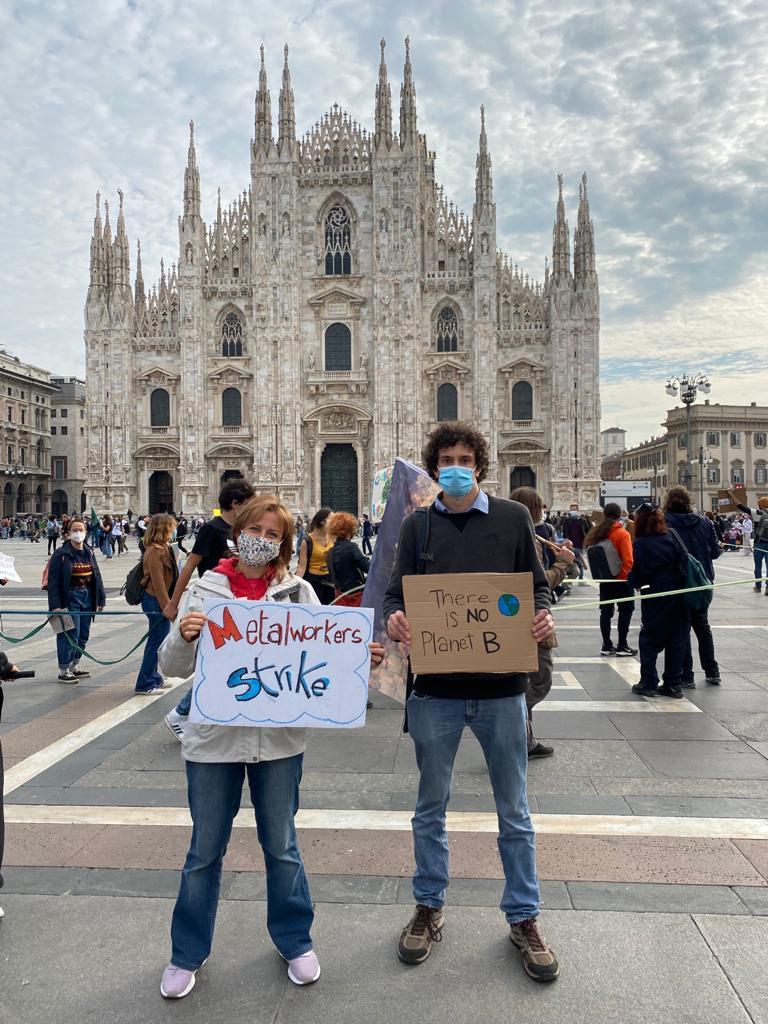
(446, 435)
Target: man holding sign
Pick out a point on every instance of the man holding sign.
(470, 648)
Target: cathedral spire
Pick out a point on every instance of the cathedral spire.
(408, 129)
(191, 178)
(139, 297)
(383, 116)
(108, 276)
(121, 255)
(287, 111)
(483, 180)
(262, 135)
(561, 250)
(98, 269)
(584, 238)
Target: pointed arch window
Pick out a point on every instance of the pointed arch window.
(231, 408)
(447, 334)
(338, 348)
(522, 401)
(160, 408)
(338, 243)
(232, 335)
(447, 403)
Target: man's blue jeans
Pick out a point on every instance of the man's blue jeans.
(760, 554)
(159, 628)
(500, 725)
(79, 601)
(214, 792)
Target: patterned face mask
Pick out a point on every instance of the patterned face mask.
(256, 551)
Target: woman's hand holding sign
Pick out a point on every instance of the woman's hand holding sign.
(191, 626)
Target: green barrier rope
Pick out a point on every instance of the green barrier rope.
(664, 593)
(571, 606)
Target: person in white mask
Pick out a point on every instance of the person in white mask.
(220, 757)
(75, 586)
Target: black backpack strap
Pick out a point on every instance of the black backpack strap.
(422, 552)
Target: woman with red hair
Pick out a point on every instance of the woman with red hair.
(347, 564)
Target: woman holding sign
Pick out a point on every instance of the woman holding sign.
(219, 757)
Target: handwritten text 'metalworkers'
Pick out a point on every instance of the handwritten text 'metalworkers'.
(263, 630)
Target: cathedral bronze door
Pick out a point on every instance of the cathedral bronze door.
(338, 478)
(521, 476)
(160, 492)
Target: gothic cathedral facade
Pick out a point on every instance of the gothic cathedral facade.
(328, 319)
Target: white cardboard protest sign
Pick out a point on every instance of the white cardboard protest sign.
(7, 569)
(277, 664)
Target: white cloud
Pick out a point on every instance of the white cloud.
(663, 104)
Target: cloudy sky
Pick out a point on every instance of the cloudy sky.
(664, 104)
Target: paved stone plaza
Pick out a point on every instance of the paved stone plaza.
(652, 822)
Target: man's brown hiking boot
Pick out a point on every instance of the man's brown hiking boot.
(539, 962)
(424, 928)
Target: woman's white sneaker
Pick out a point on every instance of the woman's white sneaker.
(305, 969)
(176, 982)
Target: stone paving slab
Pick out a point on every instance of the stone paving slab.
(693, 759)
(638, 897)
(668, 727)
(741, 948)
(473, 975)
(699, 807)
(753, 898)
(376, 852)
(748, 788)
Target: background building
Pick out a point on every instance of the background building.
(328, 318)
(728, 448)
(25, 444)
(612, 441)
(68, 446)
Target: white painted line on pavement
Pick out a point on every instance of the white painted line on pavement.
(658, 705)
(400, 821)
(569, 681)
(33, 765)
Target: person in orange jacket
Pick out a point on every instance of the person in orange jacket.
(610, 529)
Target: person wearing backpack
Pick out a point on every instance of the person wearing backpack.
(698, 535)
(52, 534)
(159, 578)
(609, 553)
(658, 567)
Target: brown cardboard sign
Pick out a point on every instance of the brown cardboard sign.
(726, 504)
(471, 622)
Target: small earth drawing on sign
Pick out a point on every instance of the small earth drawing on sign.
(509, 604)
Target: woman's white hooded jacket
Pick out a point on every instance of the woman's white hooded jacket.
(227, 743)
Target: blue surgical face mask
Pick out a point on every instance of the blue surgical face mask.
(456, 481)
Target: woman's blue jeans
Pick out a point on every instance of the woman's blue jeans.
(79, 601)
(214, 792)
(159, 627)
(501, 726)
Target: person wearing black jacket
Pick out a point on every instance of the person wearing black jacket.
(657, 567)
(759, 517)
(468, 531)
(74, 585)
(347, 564)
(698, 535)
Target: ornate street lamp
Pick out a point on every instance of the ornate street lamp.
(688, 386)
(15, 469)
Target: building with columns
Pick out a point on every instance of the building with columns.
(328, 318)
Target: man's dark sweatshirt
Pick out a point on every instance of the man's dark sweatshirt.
(501, 540)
